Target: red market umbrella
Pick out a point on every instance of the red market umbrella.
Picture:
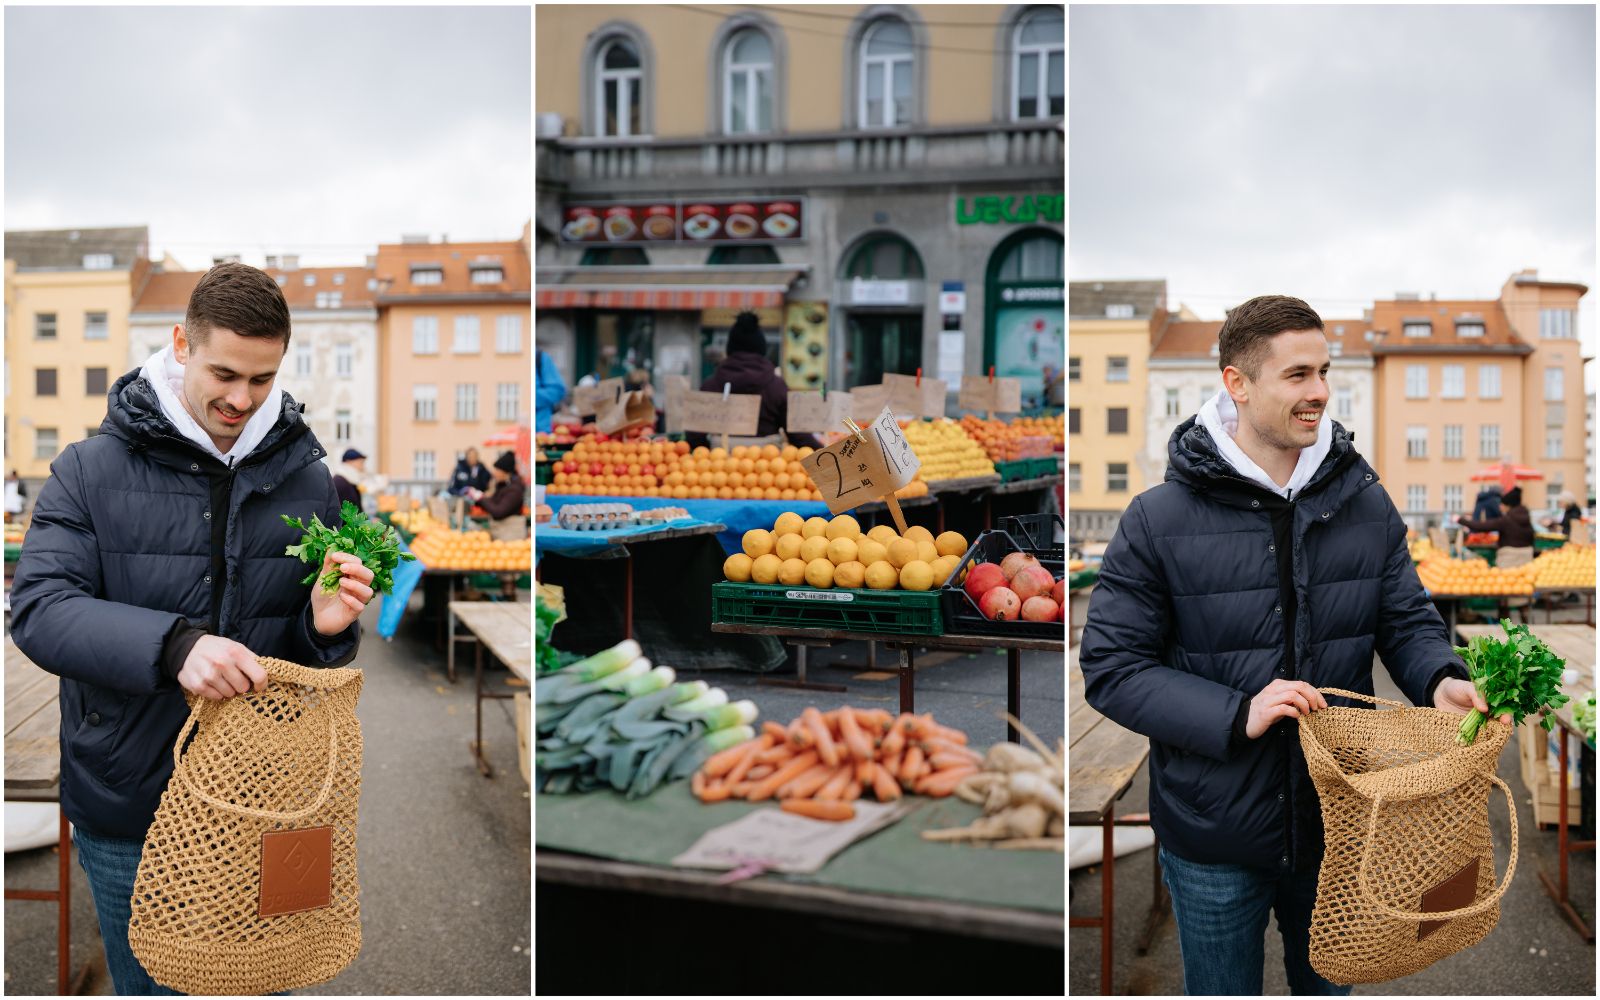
(1506, 474)
(504, 438)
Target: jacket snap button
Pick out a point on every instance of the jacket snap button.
(267, 488)
(1272, 548)
(94, 718)
(1325, 514)
(208, 577)
(1255, 503)
(1286, 859)
(208, 515)
(1280, 796)
(1278, 610)
(1368, 477)
(194, 466)
(315, 452)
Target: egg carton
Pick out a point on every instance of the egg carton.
(596, 516)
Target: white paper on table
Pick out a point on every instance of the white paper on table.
(785, 842)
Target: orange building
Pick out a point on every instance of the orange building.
(455, 358)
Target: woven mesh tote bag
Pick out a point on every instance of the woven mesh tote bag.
(248, 880)
(1407, 876)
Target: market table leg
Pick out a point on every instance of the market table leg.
(1558, 892)
(477, 744)
(627, 597)
(1014, 692)
(450, 643)
(64, 906)
(907, 680)
(988, 523)
(1108, 859)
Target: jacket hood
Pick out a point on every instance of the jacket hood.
(1194, 460)
(743, 366)
(134, 415)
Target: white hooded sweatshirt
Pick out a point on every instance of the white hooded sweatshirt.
(1220, 417)
(165, 375)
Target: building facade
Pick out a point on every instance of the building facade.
(455, 362)
(834, 180)
(67, 298)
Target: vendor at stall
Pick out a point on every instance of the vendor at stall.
(504, 503)
(749, 371)
(1516, 531)
(1570, 511)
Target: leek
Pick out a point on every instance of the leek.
(605, 662)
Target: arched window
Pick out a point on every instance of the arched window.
(619, 79)
(1035, 259)
(1038, 65)
(747, 83)
(885, 75)
(884, 258)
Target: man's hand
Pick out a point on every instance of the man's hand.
(219, 668)
(1281, 699)
(1460, 697)
(332, 613)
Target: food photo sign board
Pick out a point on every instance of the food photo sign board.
(989, 394)
(870, 464)
(722, 413)
(816, 412)
(763, 220)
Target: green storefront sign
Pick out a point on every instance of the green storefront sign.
(1010, 209)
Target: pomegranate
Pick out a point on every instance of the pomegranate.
(983, 578)
(1031, 581)
(1040, 609)
(1015, 561)
(1000, 604)
(1058, 593)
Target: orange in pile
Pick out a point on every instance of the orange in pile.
(672, 469)
(473, 550)
(1473, 577)
(1025, 437)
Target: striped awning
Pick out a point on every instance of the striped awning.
(718, 289)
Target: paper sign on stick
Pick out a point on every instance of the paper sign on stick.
(712, 413)
(625, 410)
(675, 386)
(979, 395)
(859, 470)
(587, 399)
(913, 397)
(810, 413)
(866, 401)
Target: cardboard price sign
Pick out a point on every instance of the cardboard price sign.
(675, 386)
(979, 394)
(862, 469)
(587, 399)
(810, 413)
(625, 409)
(915, 397)
(866, 401)
(712, 413)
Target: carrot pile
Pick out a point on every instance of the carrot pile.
(822, 761)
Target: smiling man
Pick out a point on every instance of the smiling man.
(1268, 565)
(155, 566)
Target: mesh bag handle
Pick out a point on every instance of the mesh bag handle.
(1342, 693)
(296, 675)
(1480, 906)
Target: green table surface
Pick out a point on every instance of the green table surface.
(895, 861)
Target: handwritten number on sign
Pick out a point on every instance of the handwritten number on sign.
(839, 471)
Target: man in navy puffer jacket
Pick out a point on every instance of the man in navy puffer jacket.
(155, 566)
(1269, 564)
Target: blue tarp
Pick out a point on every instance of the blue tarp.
(406, 576)
(561, 541)
(739, 515)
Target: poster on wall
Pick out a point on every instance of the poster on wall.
(1027, 341)
(805, 345)
(766, 220)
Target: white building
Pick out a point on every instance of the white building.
(332, 363)
(1184, 373)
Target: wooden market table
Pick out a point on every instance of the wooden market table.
(505, 628)
(1102, 759)
(1574, 643)
(1452, 603)
(906, 646)
(33, 768)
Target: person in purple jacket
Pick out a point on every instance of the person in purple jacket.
(750, 372)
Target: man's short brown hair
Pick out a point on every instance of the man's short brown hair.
(1250, 327)
(240, 298)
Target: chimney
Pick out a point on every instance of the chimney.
(372, 260)
(225, 258)
(273, 262)
(291, 262)
(1406, 296)
(413, 237)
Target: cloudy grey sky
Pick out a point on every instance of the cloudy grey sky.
(1340, 154)
(325, 130)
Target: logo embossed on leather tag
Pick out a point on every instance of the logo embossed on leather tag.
(296, 870)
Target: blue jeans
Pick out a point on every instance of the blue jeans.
(111, 863)
(1221, 913)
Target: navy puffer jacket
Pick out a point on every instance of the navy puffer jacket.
(1187, 624)
(119, 559)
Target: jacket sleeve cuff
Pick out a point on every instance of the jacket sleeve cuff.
(176, 647)
(1448, 670)
(1241, 719)
(329, 650)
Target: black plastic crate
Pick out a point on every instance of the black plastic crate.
(1036, 534)
(961, 614)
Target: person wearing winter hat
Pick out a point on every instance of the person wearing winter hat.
(504, 503)
(1515, 547)
(750, 372)
(352, 464)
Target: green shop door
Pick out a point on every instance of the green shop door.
(882, 342)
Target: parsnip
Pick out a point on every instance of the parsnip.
(1030, 787)
(1009, 757)
(1057, 827)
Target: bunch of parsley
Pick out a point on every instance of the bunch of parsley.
(1518, 675)
(377, 544)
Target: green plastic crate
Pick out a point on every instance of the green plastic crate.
(885, 612)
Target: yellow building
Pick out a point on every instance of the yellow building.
(455, 364)
(68, 293)
(1110, 325)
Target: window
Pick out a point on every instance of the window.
(466, 338)
(620, 78)
(424, 335)
(44, 327)
(507, 401)
(1119, 311)
(466, 401)
(1422, 329)
(1074, 373)
(747, 83)
(344, 360)
(1416, 441)
(310, 280)
(508, 334)
(488, 274)
(422, 466)
(44, 381)
(1455, 382)
(1117, 369)
(1037, 258)
(95, 381)
(1216, 350)
(281, 279)
(98, 262)
(1556, 324)
(1554, 384)
(1416, 381)
(341, 426)
(1488, 381)
(427, 274)
(1488, 440)
(372, 284)
(1116, 420)
(1074, 477)
(1335, 350)
(1453, 437)
(1072, 421)
(330, 300)
(1038, 65)
(322, 300)
(1116, 477)
(1469, 328)
(1343, 404)
(95, 326)
(885, 75)
(884, 258)
(45, 442)
(1553, 441)
(1416, 499)
(614, 257)
(338, 277)
(1173, 403)
(425, 402)
(1452, 499)
(302, 360)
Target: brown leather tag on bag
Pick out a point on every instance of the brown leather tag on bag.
(1454, 893)
(296, 870)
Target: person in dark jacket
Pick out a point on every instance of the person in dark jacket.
(155, 568)
(1487, 504)
(505, 504)
(468, 475)
(1269, 564)
(749, 371)
(354, 463)
(1515, 526)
